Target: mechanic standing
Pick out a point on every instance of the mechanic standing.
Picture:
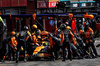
(66, 35)
(22, 42)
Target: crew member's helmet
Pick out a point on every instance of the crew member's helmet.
(87, 24)
(59, 30)
(63, 26)
(34, 26)
(68, 27)
(13, 33)
(25, 28)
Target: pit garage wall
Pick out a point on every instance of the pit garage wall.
(11, 22)
(48, 27)
(12, 3)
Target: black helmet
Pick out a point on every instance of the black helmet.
(58, 35)
(87, 24)
(63, 26)
(25, 28)
(59, 30)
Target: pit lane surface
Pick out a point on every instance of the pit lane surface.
(74, 62)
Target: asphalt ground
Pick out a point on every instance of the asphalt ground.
(74, 62)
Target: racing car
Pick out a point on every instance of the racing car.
(43, 50)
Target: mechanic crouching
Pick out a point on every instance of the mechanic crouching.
(88, 39)
(56, 44)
